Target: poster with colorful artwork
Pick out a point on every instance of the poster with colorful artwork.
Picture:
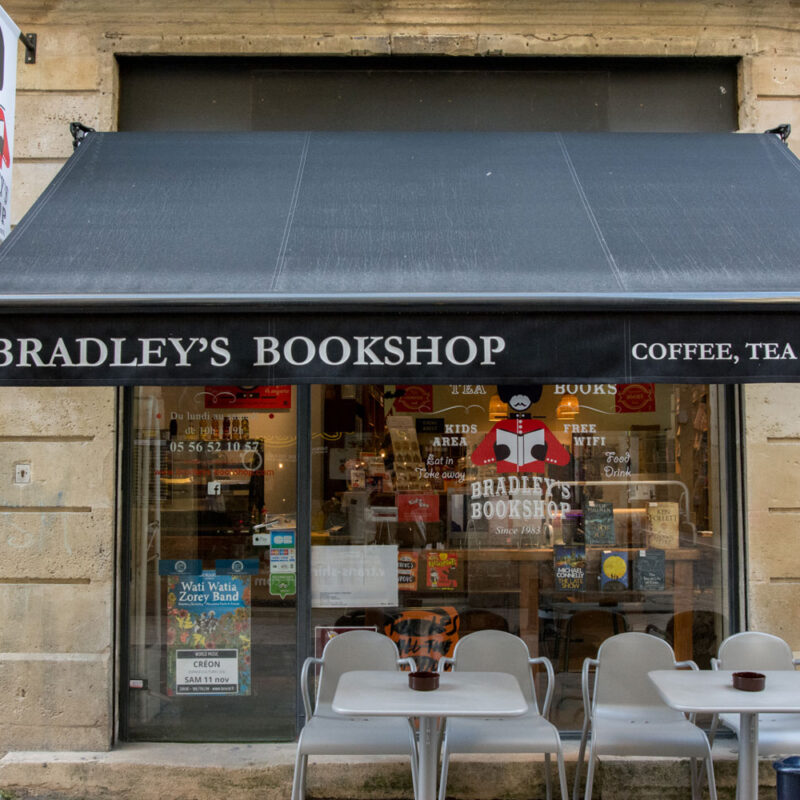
(208, 634)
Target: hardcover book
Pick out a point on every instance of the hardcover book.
(663, 521)
(598, 522)
(569, 568)
(650, 571)
(614, 573)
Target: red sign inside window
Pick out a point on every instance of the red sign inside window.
(632, 398)
(418, 508)
(415, 398)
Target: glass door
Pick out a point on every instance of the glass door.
(211, 598)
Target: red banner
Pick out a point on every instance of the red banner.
(274, 398)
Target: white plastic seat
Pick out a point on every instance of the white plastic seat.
(329, 733)
(498, 651)
(625, 715)
(778, 734)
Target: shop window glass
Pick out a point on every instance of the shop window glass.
(212, 621)
(561, 513)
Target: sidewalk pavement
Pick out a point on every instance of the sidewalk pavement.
(154, 771)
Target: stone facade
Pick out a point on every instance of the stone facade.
(59, 532)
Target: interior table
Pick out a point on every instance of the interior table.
(712, 692)
(367, 693)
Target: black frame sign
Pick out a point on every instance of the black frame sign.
(385, 346)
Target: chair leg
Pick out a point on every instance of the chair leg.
(712, 783)
(562, 773)
(579, 763)
(693, 779)
(548, 780)
(299, 781)
(587, 794)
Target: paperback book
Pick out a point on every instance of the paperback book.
(598, 522)
(614, 573)
(569, 568)
(663, 519)
(649, 573)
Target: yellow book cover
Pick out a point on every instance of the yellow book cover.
(663, 521)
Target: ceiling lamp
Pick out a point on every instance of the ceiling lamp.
(568, 407)
(497, 409)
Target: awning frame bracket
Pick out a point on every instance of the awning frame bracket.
(29, 40)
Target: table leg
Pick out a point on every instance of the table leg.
(747, 779)
(428, 758)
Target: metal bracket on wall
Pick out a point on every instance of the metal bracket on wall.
(782, 131)
(29, 40)
(78, 131)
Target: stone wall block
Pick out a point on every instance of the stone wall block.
(57, 618)
(55, 699)
(65, 59)
(770, 411)
(773, 545)
(30, 179)
(58, 411)
(773, 609)
(776, 77)
(41, 128)
(57, 546)
(773, 475)
(69, 475)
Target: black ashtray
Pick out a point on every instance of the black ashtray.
(423, 681)
(749, 681)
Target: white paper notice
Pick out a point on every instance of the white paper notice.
(361, 575)
(9, 38)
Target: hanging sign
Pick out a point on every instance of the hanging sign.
(9, 37)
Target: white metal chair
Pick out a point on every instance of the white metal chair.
(778, 734)
(329, 733)
(625, 715)
(498, 651)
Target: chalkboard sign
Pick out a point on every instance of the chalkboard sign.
(430, 425)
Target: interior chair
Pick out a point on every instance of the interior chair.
(778, 734)
(329, 733)
(625, 716)
(499, 651)
(585, 631)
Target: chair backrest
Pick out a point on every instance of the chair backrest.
(350, 651)
(497, 651)
(624, 661)
(753, 650)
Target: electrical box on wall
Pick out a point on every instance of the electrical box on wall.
(22, 473)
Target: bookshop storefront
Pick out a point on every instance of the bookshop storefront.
(503, 395)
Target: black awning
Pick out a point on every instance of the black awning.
(408, 256)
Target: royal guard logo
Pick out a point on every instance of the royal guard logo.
(519, 443)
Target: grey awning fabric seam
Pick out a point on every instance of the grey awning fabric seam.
(290, 216)
(590, 214)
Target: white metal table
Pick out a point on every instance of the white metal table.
(460, 694)
(712, 692)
